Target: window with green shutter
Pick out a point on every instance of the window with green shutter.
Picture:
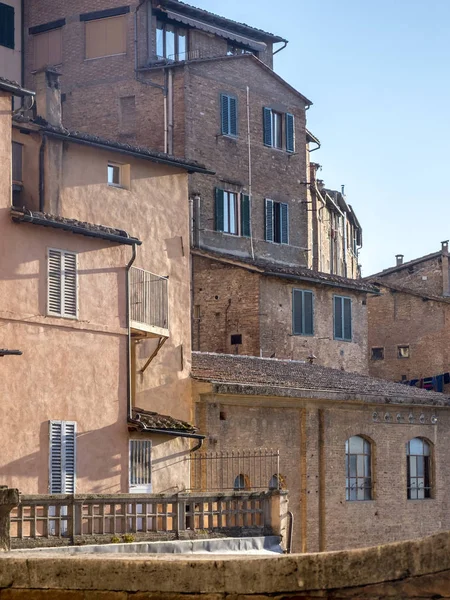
(226, 212)
(245, 215)
(302, 312)
(229, 115)
(6, 25)
(277, 222)
(274, 132)
(290, 133)
(342, 318)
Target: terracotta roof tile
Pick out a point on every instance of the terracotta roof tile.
(152, 420)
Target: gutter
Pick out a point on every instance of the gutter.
(280, 49)
(314, 280)
(16, 90)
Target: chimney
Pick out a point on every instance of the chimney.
(48, 95)
(444, 245)
(399, 259)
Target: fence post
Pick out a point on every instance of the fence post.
(181, 514)
(9, 499)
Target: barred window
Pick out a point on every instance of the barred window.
(418, 462)
(358, 456)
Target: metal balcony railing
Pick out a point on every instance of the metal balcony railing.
(149, 302)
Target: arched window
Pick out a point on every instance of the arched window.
(242, 482)
(277, 482)
(418, 463)
(358, 458)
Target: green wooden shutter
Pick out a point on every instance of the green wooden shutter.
(347, 318)
(6, 25)
(284, 224)
(269, 220)
(297, 312)
(308, 313)
(224, 113)
(338, 329)
(267, 126)
(290, 133)
(233, 118)
(219, 210)
(245, 215)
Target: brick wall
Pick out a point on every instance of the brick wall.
(425, 276)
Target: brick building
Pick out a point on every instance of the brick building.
(408, 333)
(365, 460)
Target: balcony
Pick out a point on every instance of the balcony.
(149, 304)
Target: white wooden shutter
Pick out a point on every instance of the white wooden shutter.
(62, 460)
(62, 283)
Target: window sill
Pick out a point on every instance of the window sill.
(105, 56)
(57, 316)
(117, 186)
(235, 235)
(336, 339)
(310, 335)
(228, 136)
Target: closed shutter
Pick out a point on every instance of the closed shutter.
(290, 133)
(302, 312)
(347, 314)
(54, 304)
(62, 460)
(70, 284)
(62, 283)
(219, 209)
(225, 113)
(338, 329)
(269, 220)
(6, 25)
(267, 126)
(245, 215)
(297, 312)
(308, 311)
(233, 115)
(284, 219)
(140, 463)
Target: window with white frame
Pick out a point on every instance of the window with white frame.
(140, 468)
(171, 41)
(62, 457)
(278, 127)
(114, 174)
(277, 222)
(62, 293)
(232, 212)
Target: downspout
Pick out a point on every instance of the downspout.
(22, 46)
(280, 49)
(42, 174)
(170, 111)
(129, 378)
(250, 180)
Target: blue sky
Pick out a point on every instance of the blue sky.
(377, 73)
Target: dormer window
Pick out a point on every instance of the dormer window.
(171, 41)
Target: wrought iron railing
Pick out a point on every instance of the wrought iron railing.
(257, 469)
(149, 300)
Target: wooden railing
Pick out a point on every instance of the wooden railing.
(60, 519)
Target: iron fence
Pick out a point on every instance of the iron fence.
(149, 299)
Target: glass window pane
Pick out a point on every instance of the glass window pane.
(356, 444)
(360, 465)
(170, 42)
(420, 493)
(366, 447)
(182, 44)
(159, 40)
(420, 466)
(416, 446)
(233, 216)
(413, 466)
(361, 492)
(226, 212)
(113, 175)
(367, 466)
(426, 448)
(352, 465)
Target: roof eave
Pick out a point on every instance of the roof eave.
(16, 90)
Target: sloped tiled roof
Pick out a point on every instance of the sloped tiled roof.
(275, 374)
(151, 420)
(405, 265)
(15, 88)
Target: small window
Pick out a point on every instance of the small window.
(48, 48)
(273, 129)
(403, 351)
(62, 459)
(358, 456)
(277, 222)
(234, 50)
(62, 284)
(342, 318)
(418, 463)
(6, 25)
(114, 174)
(140, 466)
(277, 482)
(242, 482)
(106, 37)
(171, 42)
(302, 312)
(232, 212)
(377, 353)
(228, 115)
(236, 339)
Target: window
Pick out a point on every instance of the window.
(232, 212)
(418, 454)
(114, 174)
(402, 351)
(62, 284)
(342, 318)
(242, 482)
(62, 460)
(171, 41)
(17, 163)
(140, 466)
(6, 25)
(358, 457)
(234, 50)
(48, 48)
(302, 312)
(277, 222)
(106, 37)
(228, 114)
(277, 482)
(377, 353)
(273, 129)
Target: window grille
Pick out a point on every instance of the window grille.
(140, 463)
(358, 455)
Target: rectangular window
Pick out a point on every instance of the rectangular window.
(48, 48)
(6, 25)
(171, 41)
(377, 353)
(62, 284)
(302, 312)
(231, 215)
(277, 222)
(342, 318)
(273, 129)
(403, 351)
(62, 459)
(228, 114)
(106, 37)
(114, 174)
(140, 470)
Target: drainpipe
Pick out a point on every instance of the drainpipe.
(42, 174)
(280, 49)
(129, 378)
(170, 110)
